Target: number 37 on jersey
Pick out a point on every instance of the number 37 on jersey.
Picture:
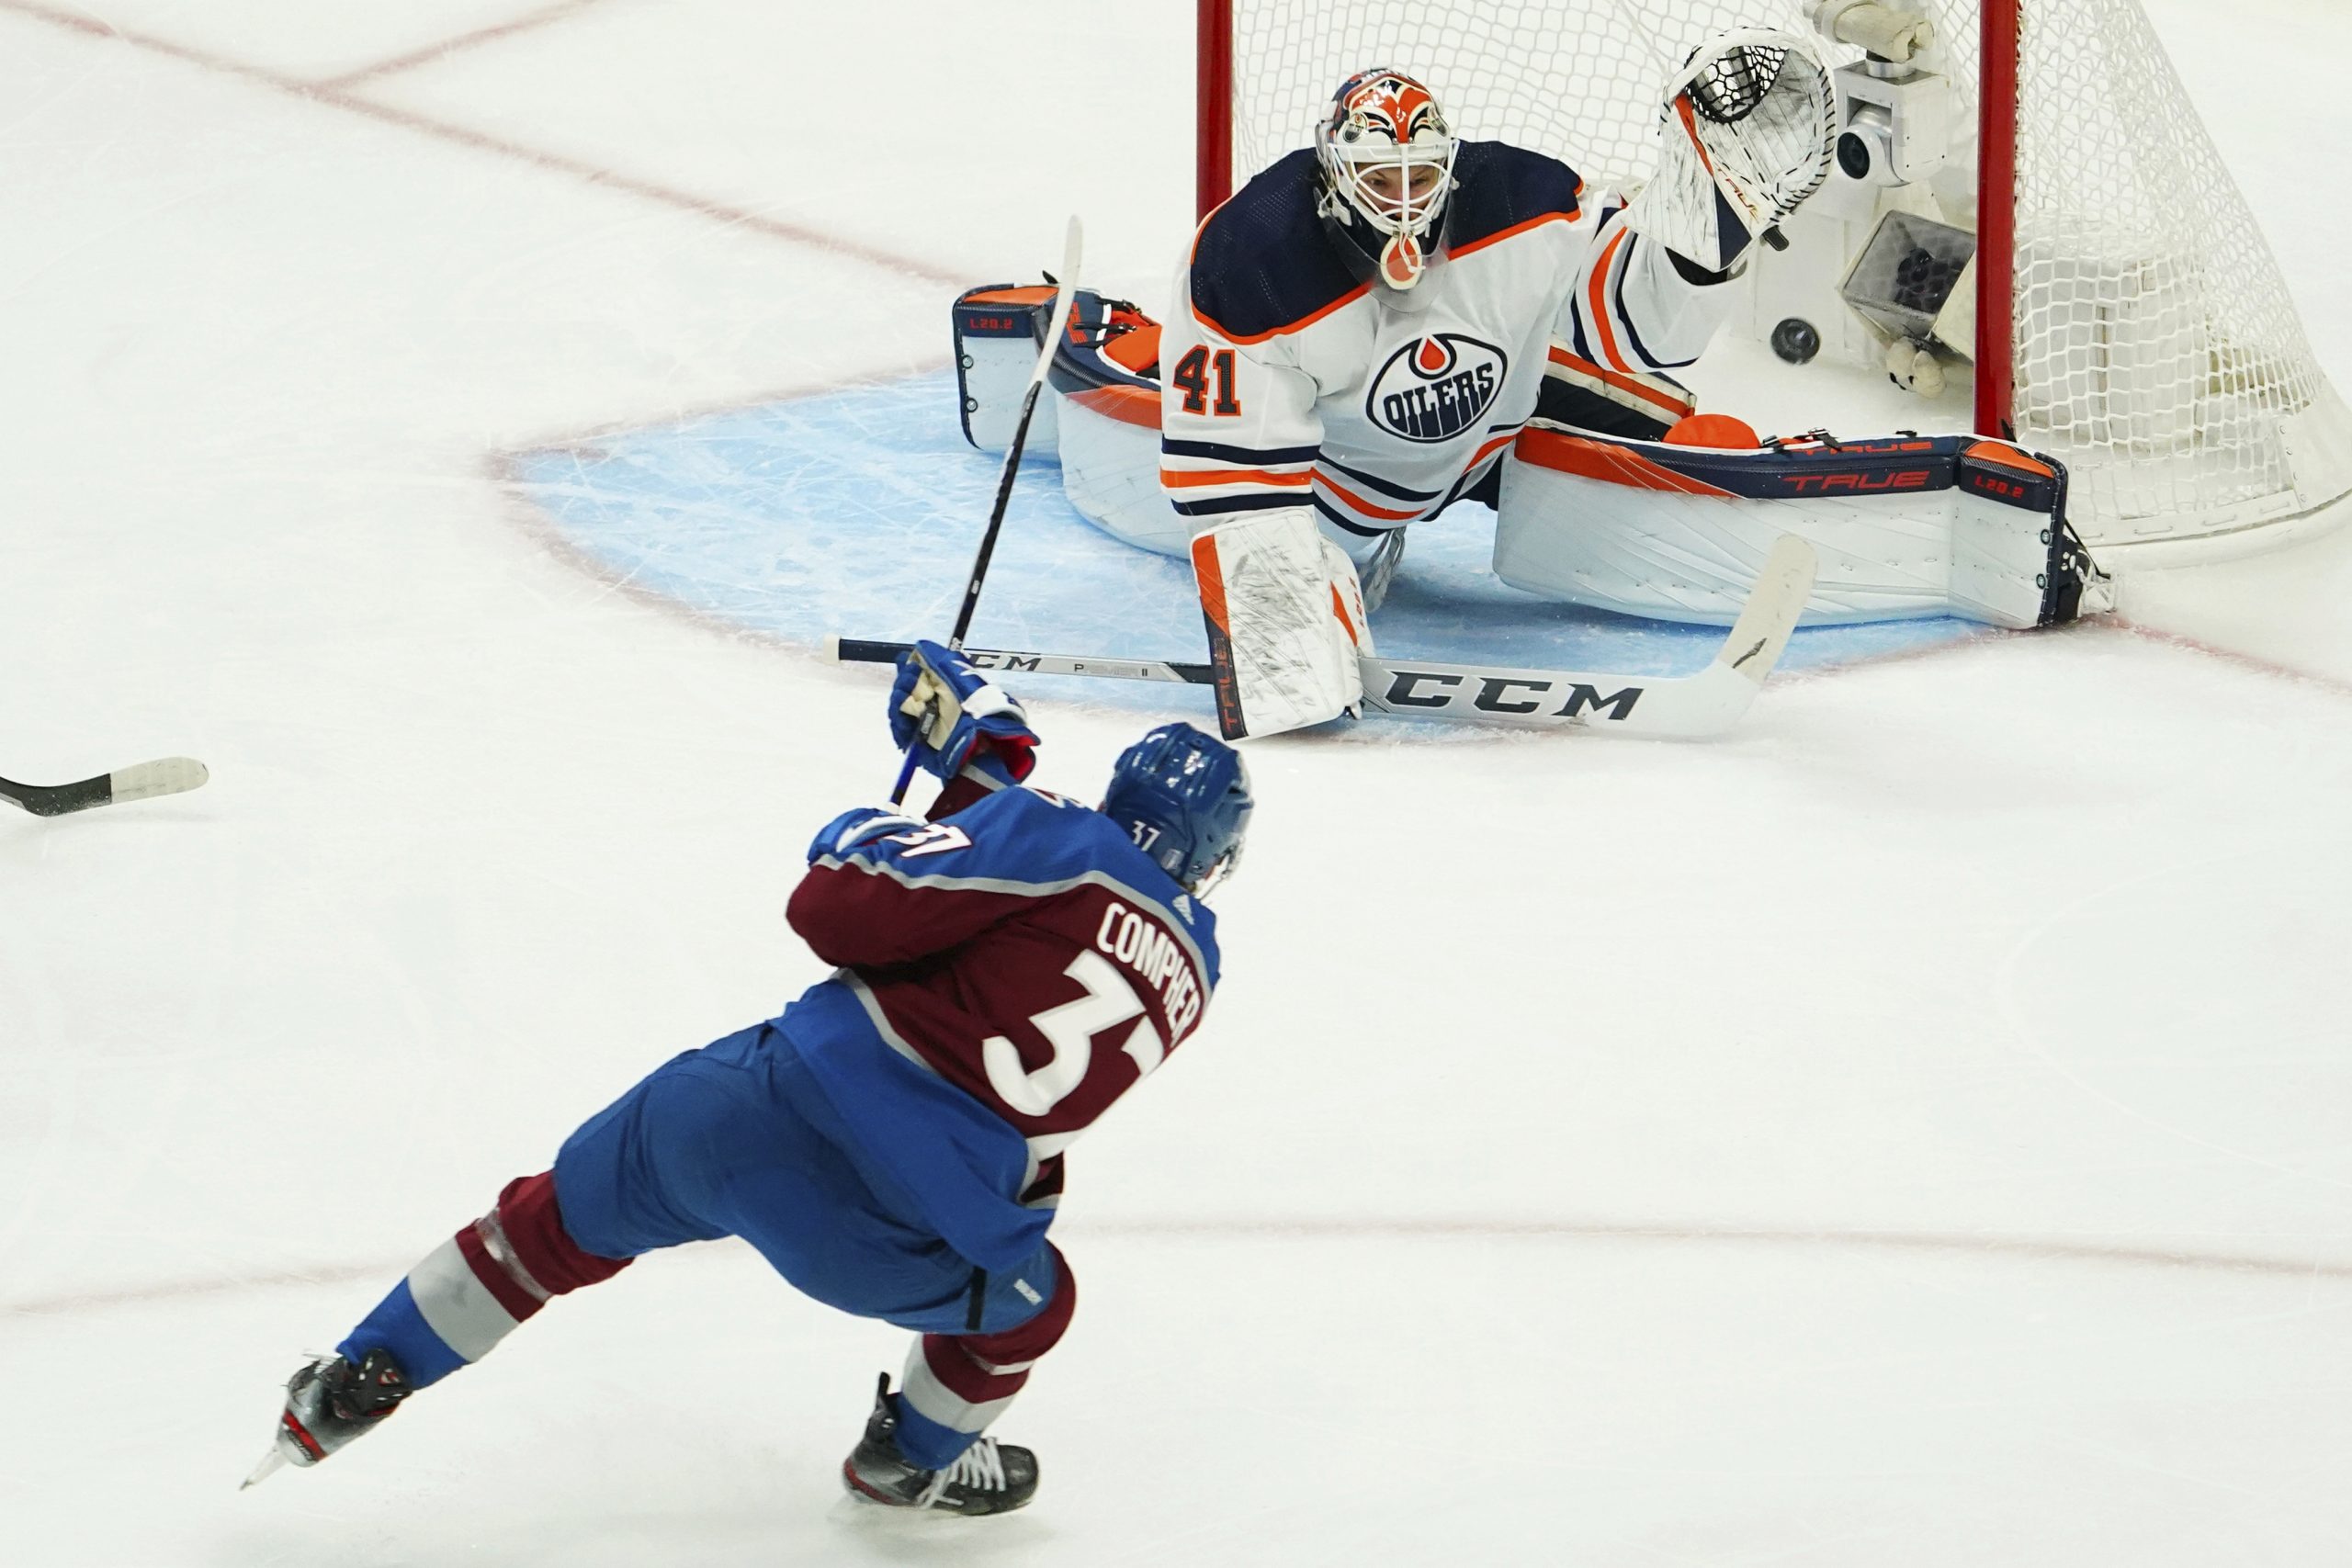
(1149, 963)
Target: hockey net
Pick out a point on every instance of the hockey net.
(2154, 346)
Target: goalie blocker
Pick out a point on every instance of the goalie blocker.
(1286, 622)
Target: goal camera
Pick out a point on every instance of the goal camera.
(1897, 123)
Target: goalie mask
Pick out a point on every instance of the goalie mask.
(1385, 154)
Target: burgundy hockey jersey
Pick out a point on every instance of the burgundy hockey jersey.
(1014, 966)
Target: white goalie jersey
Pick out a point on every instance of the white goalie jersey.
(1286, 382)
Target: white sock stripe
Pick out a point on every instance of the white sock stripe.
(456, 1304)
(1000, 1369)
(923, 1391)
(492, 1232)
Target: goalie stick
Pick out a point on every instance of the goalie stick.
(1066, 295)
(141, 781)
(1677, 707)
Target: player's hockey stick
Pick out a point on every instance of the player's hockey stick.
(141, 781)
(1066, 295)
(1679, 706)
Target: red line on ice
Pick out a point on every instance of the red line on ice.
(610, 179)
(529, 22)
(2249, 662)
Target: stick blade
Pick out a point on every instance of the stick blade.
(1682, 708)
(1711, 702)
(1761, 634)
(167, 775)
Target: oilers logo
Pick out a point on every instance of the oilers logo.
(1435, 388)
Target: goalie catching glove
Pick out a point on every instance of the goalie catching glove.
(1750, 129)
(957, 721)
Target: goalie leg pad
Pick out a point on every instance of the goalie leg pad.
(997, 329)
(1285, 623)
(1905, 527)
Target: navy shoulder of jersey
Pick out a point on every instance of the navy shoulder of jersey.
(1261, 262)
(1116, 858)
(1027, 842)
(1498, 187)
(1094, 844)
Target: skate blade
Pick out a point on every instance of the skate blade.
(271, 1462)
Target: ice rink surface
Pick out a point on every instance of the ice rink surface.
(1912, 1130)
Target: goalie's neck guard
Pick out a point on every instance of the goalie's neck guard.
(1385, 154)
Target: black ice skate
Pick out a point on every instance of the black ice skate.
(330, 1403)
(990, 1477)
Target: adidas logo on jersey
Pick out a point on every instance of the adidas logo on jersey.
(1435, 388)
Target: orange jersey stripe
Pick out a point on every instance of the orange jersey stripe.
(1489, 449)
(1598, 294)
(1365, 507)
(1341, 303)
(1192, 479)
(1632, 384)
(1540, 219)
(1492, 445)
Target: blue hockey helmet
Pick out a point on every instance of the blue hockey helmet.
(1184, 798)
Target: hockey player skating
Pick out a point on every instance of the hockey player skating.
(892, 1143)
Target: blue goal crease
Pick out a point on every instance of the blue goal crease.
(856, 513)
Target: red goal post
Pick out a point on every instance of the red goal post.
(1996, 193)
(2162, 358)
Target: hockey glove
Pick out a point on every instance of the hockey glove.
(1751, 132)
(951, 715)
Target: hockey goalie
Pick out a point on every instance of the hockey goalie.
(1394, 321)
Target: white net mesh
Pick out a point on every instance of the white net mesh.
(2156, 349)
(1579, 79)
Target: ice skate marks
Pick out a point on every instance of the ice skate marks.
(855, 512)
